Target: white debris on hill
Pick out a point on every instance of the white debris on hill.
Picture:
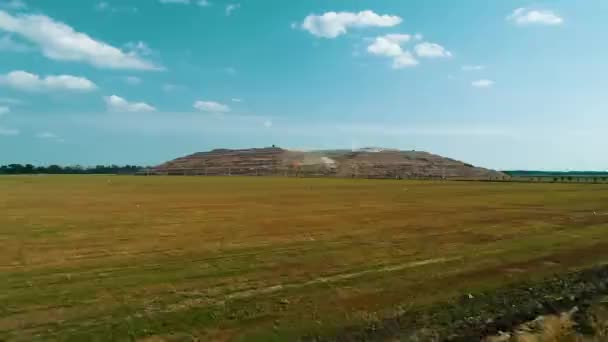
(376, 149)
(328, 161)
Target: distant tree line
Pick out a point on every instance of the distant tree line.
(29, 169)
(556, 173)
(559, 176)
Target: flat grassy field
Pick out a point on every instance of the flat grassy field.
(236, 258)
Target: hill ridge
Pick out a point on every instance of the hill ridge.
(369, 162)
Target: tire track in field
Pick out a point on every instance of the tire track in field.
(244, 294)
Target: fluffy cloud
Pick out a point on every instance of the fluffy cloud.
(202, 3)
(140, 48)
(118, 104)
(390, 46)
(211, 107)
(102, 6)
(404, 60)
(8, 131)
(334, 24)
(26, 81)
(473, 67)
(482, 83)
(431, 50)
(47, 135)
(59, 41)
(524, 16)
(231, 8)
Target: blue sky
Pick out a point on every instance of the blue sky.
(502, 84)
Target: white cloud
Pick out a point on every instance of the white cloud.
(482, 83)
(132, 80)
(390, 46)
(9, 131)
(7, 43)
(181, 2)
(102, 6)
(4, 110)
(431, 50)
(26, 81)
(201, 3)
(46, 135)
(13, 4)
(211, 107)
(139, 48)
(59, 41)
(118, 104)
(231, 8)
(49, 136)
(473, 67)
(334, 24)
(525, 16)
(404, 60)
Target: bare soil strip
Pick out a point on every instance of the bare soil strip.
(477, 316)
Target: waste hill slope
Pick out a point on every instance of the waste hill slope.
(363, 163)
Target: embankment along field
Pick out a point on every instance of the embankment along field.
(236, 258)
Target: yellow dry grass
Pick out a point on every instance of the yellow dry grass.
(261, 258)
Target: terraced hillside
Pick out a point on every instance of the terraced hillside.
(364, 163)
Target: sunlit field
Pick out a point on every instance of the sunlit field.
(237, 258)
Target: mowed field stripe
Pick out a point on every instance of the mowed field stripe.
(244, 294)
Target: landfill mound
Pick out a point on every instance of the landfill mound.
(362, 163)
